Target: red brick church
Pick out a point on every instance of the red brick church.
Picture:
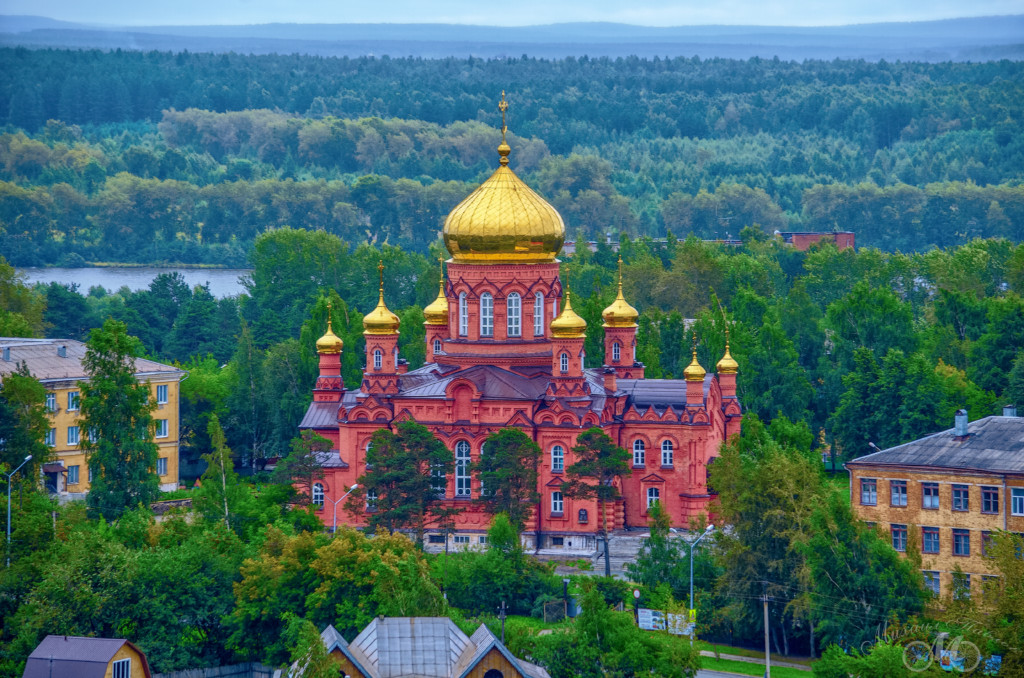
(505, 349)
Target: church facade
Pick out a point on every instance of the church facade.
(505, 349)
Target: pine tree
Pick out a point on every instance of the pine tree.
(507, 470)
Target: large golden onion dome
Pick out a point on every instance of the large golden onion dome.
(330, 343)
(568, 325)
(380, 320)
(436, 312)
(620, 313)
(503, 220)
(727, 365)
(694, 371)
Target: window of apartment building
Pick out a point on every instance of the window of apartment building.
(73, 475)
(557, 458)
(986, 542)
(666, 452)
(638, 452)
(461, 539)
(898, 492)
(929, 540)
(961, 542)
(72, 401)
(51, 402)
(51, 437)
(161, 467)
(961, 586)
(989, 588)
(122, 668)
(72, 435)
(932, 582)
(1017, 501)
(90, 475)
(990, 500)
(556, 503)
(161, 428)
(868, 491)
(318, 495)
(653, 496)
(961, 498)
(92, 435)
(899, 537)
(930, 495)
(161, 394)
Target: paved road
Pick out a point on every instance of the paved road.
(705, 673)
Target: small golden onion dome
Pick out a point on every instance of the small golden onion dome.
(694, 371)
(727, 365)
(620, 313)
(381, 320)
(503, 220)
(330, 343)
(436, 312)
(568, 325)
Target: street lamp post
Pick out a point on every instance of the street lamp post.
(708, 530)
(334, 527)
(9, 476)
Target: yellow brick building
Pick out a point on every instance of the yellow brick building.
(948, 492)
(57, 364)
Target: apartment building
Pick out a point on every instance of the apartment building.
(949, 491)
(57, 364)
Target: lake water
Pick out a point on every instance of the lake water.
(223, 281)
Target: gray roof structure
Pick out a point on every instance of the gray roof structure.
(320, 415)
(992, 445)
(75, 657)
(420, 647)
(47, 364)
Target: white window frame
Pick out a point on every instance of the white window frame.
(161, 394)
(371, 500)
(667, 453)
(639, 452)
(514, 308)
(462, 477)
(557, 458)
(616, 351)
(378, 359)
(1017, 501)
(161, 466)
(460, 539)
(557, 503)
(437, 345)
(653, 497)
(74, 401)
(563, 362)
(486, 315)
(317, 495)
(51, 438)
(51, 402)
(932, 582)
(538, 314)
(73, 435)
(439, 481)
(162, 428)
(463, 314)
(871, 495)
(73, 474)
(122, 668)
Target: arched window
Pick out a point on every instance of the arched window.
(582, 516)
(486, 315)
(463, 315)
(538, 314)
(666, 453)
(616, 351)
(371, 500)
(557, 458)
(378, 359)
(437, 345)
(396, 358)
(318, 494)
(556, 502)
(483, 489)
(638, 452)
(564, 362)
(494, 673)
(653, 496)
(514, 306)
(369, 446)
(462, 469)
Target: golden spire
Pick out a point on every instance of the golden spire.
(330, 343)
(727, 365)
(568, 325)
(503, 220)
(693, 371)
(436, 313)
(620, 313)
(380, 320)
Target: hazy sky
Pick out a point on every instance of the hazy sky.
(506, 13)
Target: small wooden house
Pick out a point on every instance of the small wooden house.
(77, 657)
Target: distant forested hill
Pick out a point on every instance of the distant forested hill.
(154, 156)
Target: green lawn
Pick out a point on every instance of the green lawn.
(747, 652)
(750, 669)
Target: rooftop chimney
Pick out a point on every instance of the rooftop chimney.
(960, 424)
(1008, 410)
(62, 351)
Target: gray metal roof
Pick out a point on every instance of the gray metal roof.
(493, 382)
(331, 459)
(658, 392)
(45, 364)
(993, 445)
(320, 415)
(411, 647)
(74, 657)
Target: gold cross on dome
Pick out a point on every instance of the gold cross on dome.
(380, 268)
(503, 106)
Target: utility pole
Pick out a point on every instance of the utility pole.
(502, 617)
(9, 476)
(767, 650)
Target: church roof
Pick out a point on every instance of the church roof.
(992, 445)
(493, 382)
(320, 415)
(658, 392)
